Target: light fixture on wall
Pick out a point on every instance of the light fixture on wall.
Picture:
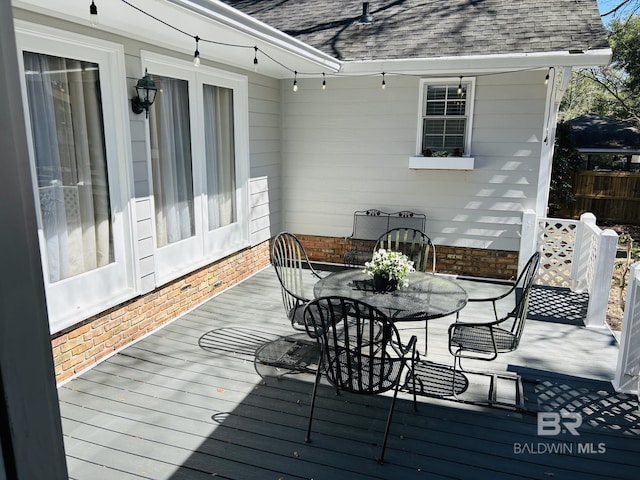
(145, 95)
(93, 14)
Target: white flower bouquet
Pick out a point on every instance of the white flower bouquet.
(394, 266)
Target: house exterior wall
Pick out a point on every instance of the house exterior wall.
(347, 148)
(154, 303)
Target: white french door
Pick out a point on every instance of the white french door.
(76, 132)
(198, 132)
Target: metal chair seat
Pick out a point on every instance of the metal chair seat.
(483, 339)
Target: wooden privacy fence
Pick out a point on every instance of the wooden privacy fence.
(610, 196)
(576, 254)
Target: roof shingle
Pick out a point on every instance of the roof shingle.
(434, 28)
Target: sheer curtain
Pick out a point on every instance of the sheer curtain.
(68, 137)
(171, 161)
(220, 156)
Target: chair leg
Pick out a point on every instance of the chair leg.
(380, 459)
(313, 402)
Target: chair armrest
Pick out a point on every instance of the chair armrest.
(493, 301)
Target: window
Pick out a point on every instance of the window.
(70, 162)
(446, 112)
(76, 132)
(198, 131)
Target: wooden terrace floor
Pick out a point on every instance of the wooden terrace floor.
(189, 402)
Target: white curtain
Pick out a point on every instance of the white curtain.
(171, 161)
(68, 136)
(220, 156)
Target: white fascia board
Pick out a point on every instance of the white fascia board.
(480, 63)
(222, 13)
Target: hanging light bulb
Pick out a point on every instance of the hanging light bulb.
(384, 84)
(546, 79)
(324, 82)
(460, 86)
(295, 81)
(196, 54)
(93, 14)
(255, 59)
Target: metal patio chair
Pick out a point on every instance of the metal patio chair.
(361, 351)
(292, 265)
(414, 243)
(485, 341)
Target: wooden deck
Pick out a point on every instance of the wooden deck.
(190, 402)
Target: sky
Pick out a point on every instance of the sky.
(607, 5)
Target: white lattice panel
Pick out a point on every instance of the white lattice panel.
(556, 239)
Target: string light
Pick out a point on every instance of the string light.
(196, 60)
(93, 14)
(196, 54)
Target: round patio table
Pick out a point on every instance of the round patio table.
(427, 296)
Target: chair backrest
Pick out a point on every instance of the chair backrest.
(522, 289)
(289, 260)
(356, 340)
(414, 243)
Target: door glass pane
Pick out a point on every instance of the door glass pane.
(171, 165)
(220, 156)
(71, 167)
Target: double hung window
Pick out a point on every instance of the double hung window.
(446, 112)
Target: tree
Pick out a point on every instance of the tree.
(566, 160)
(614, 90)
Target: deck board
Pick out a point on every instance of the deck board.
(188, 402)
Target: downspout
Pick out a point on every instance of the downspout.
(555, 92)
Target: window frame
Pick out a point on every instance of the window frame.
(470, 83)
(77, 298)
(206, 246)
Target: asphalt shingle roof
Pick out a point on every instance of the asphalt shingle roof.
(595, 132)
(433, 28)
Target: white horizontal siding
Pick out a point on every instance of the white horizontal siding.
(347, 148)
(265, 158)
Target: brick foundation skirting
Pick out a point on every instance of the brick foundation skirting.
(84, 344)
(472, 262)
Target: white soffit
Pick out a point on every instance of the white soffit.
(117, 17)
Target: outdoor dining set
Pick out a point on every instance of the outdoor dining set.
(352, 315)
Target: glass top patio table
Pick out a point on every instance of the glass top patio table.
(427, 296)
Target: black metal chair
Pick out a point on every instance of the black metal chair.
(290, 261)
(361, 351)
(414, 243)
(487, 340)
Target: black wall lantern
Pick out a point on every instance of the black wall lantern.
(145, 95)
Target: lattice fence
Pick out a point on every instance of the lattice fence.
(557, 240)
